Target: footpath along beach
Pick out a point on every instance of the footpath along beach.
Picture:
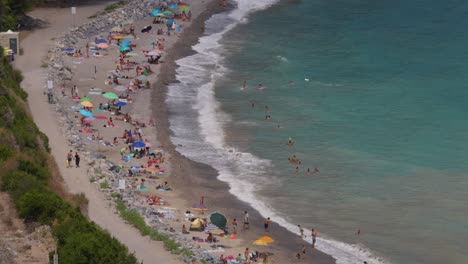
(109, 77)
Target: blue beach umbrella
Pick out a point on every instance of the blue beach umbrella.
(124, 48)
(173, 6)
(170, 22)
(98, 41)
(125, 42)
(119, 104)
(139, 144)
(155, 12)
(86, 113)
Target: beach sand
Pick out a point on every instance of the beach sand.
(189, 180)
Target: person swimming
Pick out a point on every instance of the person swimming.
(290, 142)
(316, 171)
(261, 87)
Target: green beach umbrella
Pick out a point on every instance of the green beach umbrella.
(167, 12)
(124, 48)
(110, 96)
(218, 220)
(185, 9)
(85, 99)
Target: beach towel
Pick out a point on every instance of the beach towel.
(142, 189)
(94, 93)
(121, 185)
(77, 62)
(100, 117)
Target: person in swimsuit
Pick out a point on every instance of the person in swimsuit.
(69, 158)
(314, 237)
(301, 230)
(266, 224)
(316, 171)
(246, 221)
(308, 171)
(234, 226)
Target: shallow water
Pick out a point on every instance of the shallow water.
(381, 114)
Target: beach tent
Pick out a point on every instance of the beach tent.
(218, 219)
(197, 225)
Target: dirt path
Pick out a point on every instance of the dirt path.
(35, 46)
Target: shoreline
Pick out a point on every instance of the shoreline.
(192, 173)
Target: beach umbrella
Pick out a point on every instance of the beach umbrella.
(99, 41)
(118, 37)
(89, 119)
(173, 6)
(69, 50)
(155, 12)
(160, 15)
(102, 46)
(124, 48)
(139, 144)
(110, 96)
(263, 241)
(213, 229)
(120, 88)
(218, 219)
(86, 104)
(167, 12)
(86, 113)
(85, 99)
(153, 53)
(125, 42)
(132, 54)
(100, 117)
(184, 8)
(119, 104)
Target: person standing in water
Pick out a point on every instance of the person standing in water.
(296, 171)
(290, 142)
(316, 171)
(244, 85)
(314, 237)
(301, 230)
(266, 224)
(246, 221)
(308, 171)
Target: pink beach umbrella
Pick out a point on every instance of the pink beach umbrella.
(102, 46)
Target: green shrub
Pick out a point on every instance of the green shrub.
(5, 153)
(104, 184)
(18, 183)
(40, 206)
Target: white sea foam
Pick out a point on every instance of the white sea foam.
(198, 127)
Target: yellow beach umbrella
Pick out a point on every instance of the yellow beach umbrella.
(86, 104)
(267, 239)
(260, 243)
(118, 37)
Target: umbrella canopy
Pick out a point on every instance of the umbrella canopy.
(120, 88)
(86, 113)
(124, 48)
(85, 99)
(86, 104)
(167, 12)
(199, 207)
(173, 6)
(264, 240)
(139, 144)
(102, 45)
(118, 37)
(184, 9)
(153, 53)
(132, 54)
(218, 219)
(119, 104)
(155, 12)
(99, 41)
(125, 42)
(110, 96)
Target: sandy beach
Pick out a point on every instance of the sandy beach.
(188, 180)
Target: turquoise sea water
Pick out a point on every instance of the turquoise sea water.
(379, 104)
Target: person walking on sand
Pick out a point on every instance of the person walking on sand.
(246, 221)
(301, 230)
(266, 224)
(69, 158)
(314, 237)
(77, 160)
